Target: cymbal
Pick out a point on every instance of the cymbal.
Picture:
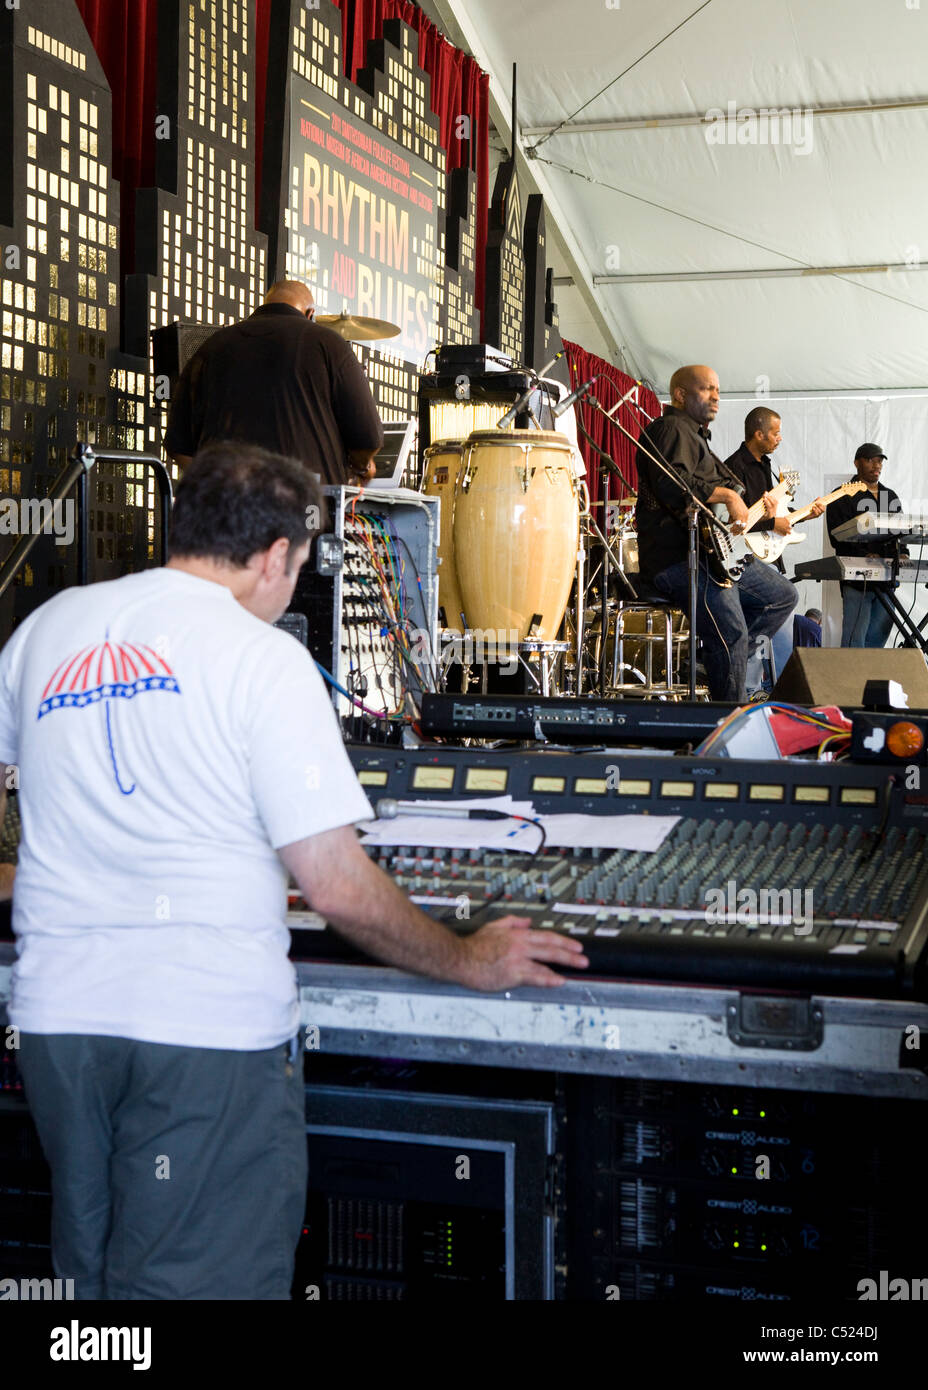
(358, 329)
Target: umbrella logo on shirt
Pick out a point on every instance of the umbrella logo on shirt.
(102, 675)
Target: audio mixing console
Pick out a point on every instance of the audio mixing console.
(792, 876)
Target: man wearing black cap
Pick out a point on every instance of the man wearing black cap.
(866, 621)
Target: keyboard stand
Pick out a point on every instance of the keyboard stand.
(913, 633)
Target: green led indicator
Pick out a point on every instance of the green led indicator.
(763, 1247)
(763, 1114)
(734, 1170)
(735, 1244)
(734, 1112)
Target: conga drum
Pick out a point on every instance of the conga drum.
(516, 531)
(442, 465)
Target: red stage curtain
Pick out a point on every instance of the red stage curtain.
(612, 385)
(459, 88)
(124, 34)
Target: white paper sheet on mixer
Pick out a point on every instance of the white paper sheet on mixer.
(645, 833)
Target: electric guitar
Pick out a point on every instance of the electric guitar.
(769, 545)
(727, 553)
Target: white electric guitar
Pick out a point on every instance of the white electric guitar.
(769, 545)
(727, 553)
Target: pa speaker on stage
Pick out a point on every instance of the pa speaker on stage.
(173, 346)
(837, 675)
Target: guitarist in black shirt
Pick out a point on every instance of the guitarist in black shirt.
(729, 619)
(752, 465)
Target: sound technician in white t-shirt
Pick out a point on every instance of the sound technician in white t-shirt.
(178, 756)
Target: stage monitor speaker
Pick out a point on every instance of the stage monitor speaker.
(837, 675)
(174, 345)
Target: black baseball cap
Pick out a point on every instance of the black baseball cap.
(870, 451)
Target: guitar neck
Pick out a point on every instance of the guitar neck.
(756, 512)
(806, 511)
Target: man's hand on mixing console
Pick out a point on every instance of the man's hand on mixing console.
(507, 953)
(359, 900)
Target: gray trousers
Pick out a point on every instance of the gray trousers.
(177, 1172)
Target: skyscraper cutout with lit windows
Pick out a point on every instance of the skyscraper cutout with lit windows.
(59, 291)
(393, 95)
(198, 256)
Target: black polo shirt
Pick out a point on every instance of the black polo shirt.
(660, 512)
(845, 508)
(757, 477)
(281, 382)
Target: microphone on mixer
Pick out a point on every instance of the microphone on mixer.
(574, 396)
(388, 808)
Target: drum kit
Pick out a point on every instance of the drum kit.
(526, 578)
(515, 579)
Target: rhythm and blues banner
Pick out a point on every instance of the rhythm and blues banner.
(363, 220)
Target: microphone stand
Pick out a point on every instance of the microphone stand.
(694, 508)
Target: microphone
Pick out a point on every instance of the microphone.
(574, 396)
(387, 808)
(513, 410)
(548, 365)
(627, 397)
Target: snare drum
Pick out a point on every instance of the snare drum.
(516, 531)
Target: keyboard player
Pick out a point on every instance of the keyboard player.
(866, 623)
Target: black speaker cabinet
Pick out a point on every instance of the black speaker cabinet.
(174, 345)
(837, 675)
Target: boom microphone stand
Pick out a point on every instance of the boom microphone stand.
(694, 508)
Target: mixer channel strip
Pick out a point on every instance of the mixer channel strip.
(682, 913)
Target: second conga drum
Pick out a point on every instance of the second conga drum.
(442, 465)
(516, 528)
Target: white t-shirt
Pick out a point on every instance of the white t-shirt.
(168, 741)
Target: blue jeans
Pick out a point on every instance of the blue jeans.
(731, 621)
(866, 621)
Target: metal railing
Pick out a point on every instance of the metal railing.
(77, 470)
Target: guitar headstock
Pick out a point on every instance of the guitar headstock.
(791, 479)
(851, 489)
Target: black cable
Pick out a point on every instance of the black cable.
(511, 815)
(887, 802)
(425, 628)
(603, 455)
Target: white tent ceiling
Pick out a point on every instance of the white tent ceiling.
(663, 200)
